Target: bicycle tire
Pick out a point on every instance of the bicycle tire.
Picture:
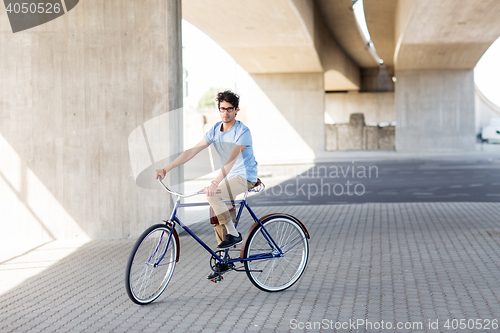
(282, 272)
(145, 279)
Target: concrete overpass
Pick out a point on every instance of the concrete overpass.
(315, 47)
(73, 89)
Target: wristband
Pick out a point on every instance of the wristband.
(215, 183)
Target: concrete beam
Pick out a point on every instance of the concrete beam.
(448, 34)
(277, 37)
(339, 18)
(380, 18)
(262, 36)
(340, 71)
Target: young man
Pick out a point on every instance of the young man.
(233, 142)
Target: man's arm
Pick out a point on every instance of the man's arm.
(183, 158)
(233, 157)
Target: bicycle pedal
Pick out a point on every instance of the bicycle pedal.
(217, 279)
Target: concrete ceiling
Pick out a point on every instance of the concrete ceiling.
(339, 18)
(445, 34)
(262, 36)
(279, 36)
(294, 36)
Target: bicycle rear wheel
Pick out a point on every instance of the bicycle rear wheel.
(279, 273)
(151, 264)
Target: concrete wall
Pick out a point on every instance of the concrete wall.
(285, 114)
(71, 91)
(435, 110)
(376, 107)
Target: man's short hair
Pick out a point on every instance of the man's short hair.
(228, 96)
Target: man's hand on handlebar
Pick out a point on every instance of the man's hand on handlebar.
(160, 173)
(210, 190)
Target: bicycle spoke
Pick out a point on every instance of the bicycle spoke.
(296, 268)
(269, 272)
(260, 265)
(284, 270)
(296, 244)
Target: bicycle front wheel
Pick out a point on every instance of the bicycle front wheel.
(278, 273)
(151, 264)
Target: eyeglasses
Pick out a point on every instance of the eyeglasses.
(227, 110)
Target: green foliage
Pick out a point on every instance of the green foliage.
(207, 101)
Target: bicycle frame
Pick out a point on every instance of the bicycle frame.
(242, 203)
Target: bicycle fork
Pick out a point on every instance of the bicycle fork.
(170, 234)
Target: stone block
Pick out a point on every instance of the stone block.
(357, 120)
(371, 137)
(387, 138)
(342, 136)
(349, 137)
(357, 136)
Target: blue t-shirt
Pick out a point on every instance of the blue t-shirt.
(224, 142)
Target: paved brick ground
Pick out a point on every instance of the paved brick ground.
(406, 262)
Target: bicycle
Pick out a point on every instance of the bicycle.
(274, 255)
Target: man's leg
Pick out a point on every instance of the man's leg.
(220, 232)
(229, 189)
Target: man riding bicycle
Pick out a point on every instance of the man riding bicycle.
(233, 142)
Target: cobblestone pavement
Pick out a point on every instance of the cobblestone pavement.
(371, 265)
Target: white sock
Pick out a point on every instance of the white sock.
(231, 229)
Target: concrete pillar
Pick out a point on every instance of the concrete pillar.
(175, 96)
(71, 92)
(435, 110)
(286, 112)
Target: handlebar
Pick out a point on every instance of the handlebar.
(180, 194)
(259, 187)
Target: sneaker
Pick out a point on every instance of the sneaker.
(218, 271)
(230, 240)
